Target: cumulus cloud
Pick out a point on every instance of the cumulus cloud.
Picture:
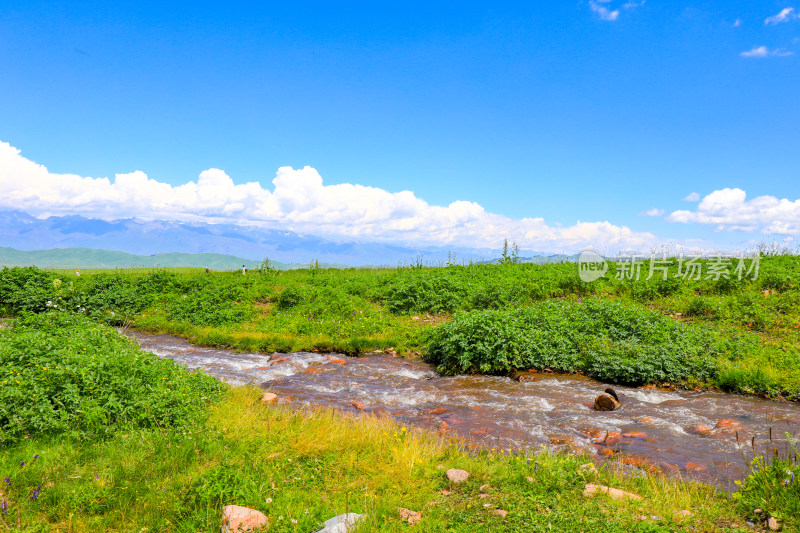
(763, 51)
(692, 197)
(787, 14)
(602, 11)
(652, 213)
(729, 210)
(298, 201)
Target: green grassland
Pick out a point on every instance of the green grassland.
(97, 435)
(734, 335)
(115, 439)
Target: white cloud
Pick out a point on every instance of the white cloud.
(729, 210)
(631, 4)
(786, 15)
(298, 201)
(692, 197)
(652, 213)
(737, 23)
(763, 51)
(602, 11)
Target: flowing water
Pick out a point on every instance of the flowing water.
(655, 427)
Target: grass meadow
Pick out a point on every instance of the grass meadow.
(97, 435)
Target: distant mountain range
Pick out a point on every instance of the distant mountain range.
(89, 258)
(169, 243)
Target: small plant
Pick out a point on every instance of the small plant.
(773, 485)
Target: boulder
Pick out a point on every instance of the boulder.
(618, 494)
(358, 405)
(500, 512)
(269, 398)
(457, 476)
(407, 515)
(607, 401)
(597, 436)
(344, 523)
(237, 519)
(772, 524)
(612, 438)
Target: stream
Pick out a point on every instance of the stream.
(679, 432)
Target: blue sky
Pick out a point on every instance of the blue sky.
(566, 111)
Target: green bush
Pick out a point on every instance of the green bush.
(608, 340)
(703, 307)
(290, 297)
(27, 289)
(61, 373)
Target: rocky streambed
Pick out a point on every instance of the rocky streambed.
(689, 433)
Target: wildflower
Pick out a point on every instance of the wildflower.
(34, 458)
(21, 464)
(35, 493)
(8, 481)
(4, 507)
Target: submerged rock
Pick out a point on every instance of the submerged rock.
(607, 401)
(524, 377)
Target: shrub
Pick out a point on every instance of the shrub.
(207, 306)
(62, 374)
(290, 297)
(607, 340)
(701, 306)
(27, 289)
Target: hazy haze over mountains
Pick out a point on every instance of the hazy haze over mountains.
(146, 237)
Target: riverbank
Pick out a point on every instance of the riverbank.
(681, 433)
(174, 471)
(751, 327)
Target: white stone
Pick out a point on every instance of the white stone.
(344, 523)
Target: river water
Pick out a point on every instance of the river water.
(654, 428)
